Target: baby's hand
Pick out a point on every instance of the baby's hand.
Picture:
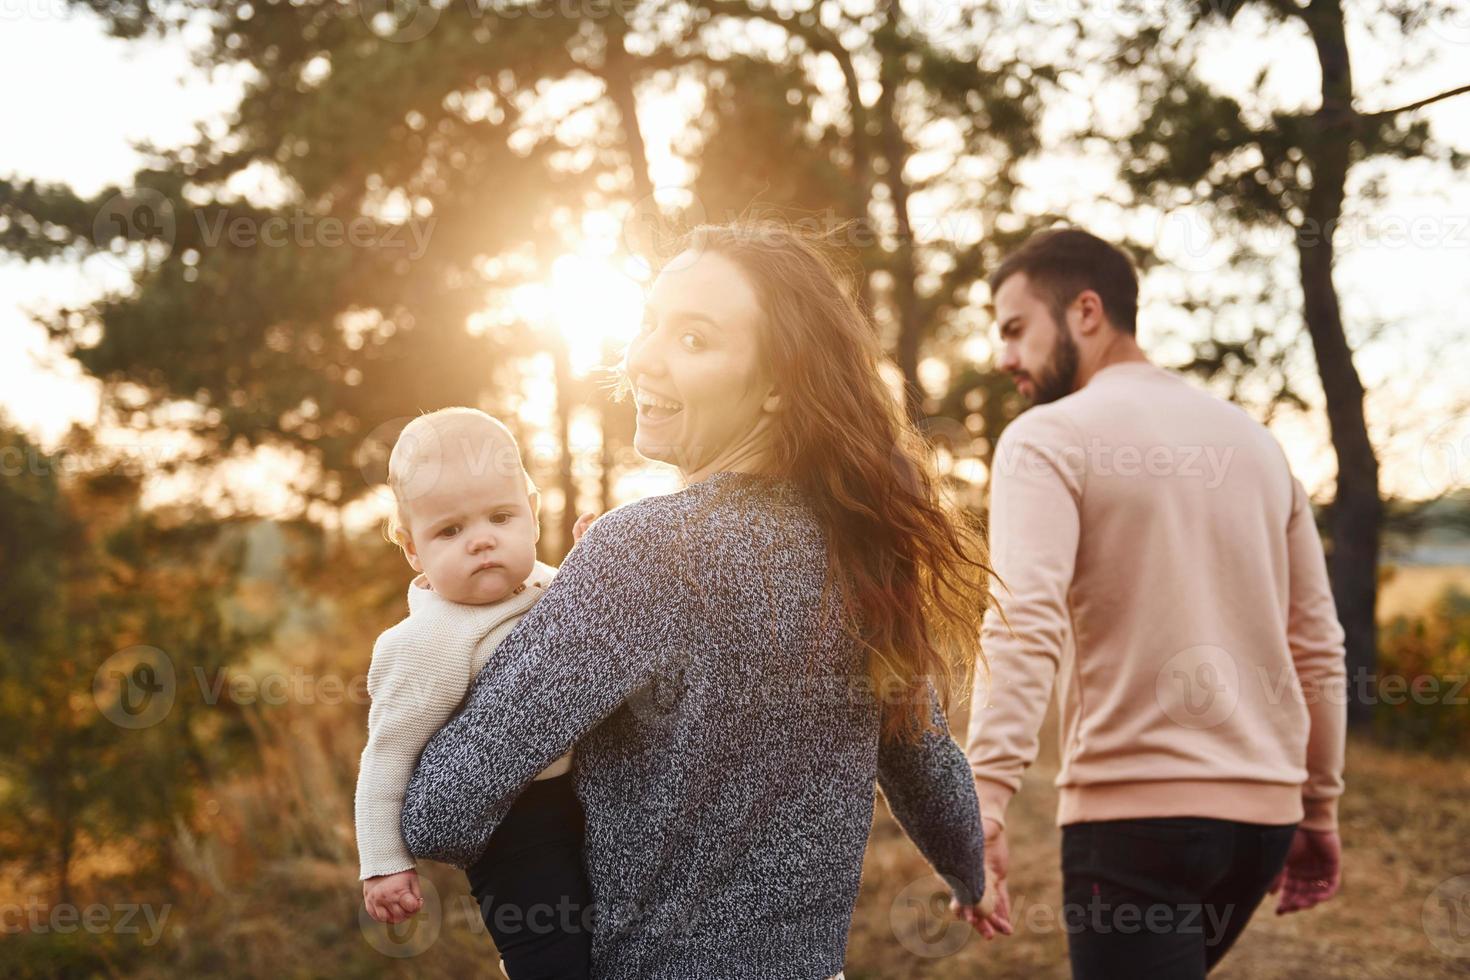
(392, 898)
(583, 523)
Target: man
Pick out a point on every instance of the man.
(1154, 553)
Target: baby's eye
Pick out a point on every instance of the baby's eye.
(500, 518)
(449, 531)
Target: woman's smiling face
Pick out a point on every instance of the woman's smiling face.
(704, 401)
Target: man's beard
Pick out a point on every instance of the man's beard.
(1060, 374)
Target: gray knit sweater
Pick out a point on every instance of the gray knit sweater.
(727, 743)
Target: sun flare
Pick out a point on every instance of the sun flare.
(591, 301)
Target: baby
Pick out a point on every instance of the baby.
(466, 519)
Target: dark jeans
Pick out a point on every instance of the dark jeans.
(531, 886)
(1163, 897)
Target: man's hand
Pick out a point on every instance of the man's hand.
(392, 898)
(583, 523)
(991, 916)
(1313, 871)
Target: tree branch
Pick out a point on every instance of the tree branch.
(1286, 8)
(1385, 113)
(819, 40)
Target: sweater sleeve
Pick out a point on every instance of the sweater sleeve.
(417, 678)
(929, 791)
(1035, 526)
(603, 631)
(1316, 640)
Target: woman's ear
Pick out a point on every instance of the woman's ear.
(772, 404)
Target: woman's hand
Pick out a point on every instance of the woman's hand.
(392, 898)
(991, 916)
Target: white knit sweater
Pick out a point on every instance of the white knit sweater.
(422, 669)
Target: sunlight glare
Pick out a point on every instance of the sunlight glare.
(591, 302)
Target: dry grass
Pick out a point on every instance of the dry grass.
(268, 886)
(1402, 822)
(1403, 826)
(1408, 590)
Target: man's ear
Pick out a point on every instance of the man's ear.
(1090, 314)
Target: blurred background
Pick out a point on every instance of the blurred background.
(242, 244)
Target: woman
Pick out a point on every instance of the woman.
(738, 663)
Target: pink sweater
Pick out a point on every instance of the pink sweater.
(1159, 560)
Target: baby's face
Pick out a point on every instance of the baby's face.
(473, 534)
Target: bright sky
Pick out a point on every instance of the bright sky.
(1406, 265)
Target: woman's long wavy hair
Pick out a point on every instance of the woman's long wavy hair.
(912, 569)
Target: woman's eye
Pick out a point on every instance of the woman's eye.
(693, 341)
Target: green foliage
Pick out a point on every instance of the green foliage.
(1428, 706)
(96, 577)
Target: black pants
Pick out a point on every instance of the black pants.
(532, 888)
(1163, 898)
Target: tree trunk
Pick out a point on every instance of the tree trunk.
(894, 150)
(565, 465)
(1356, 516)
(618, 77)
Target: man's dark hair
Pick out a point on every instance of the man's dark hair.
(1060, 263)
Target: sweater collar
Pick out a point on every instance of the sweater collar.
(421, 597)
